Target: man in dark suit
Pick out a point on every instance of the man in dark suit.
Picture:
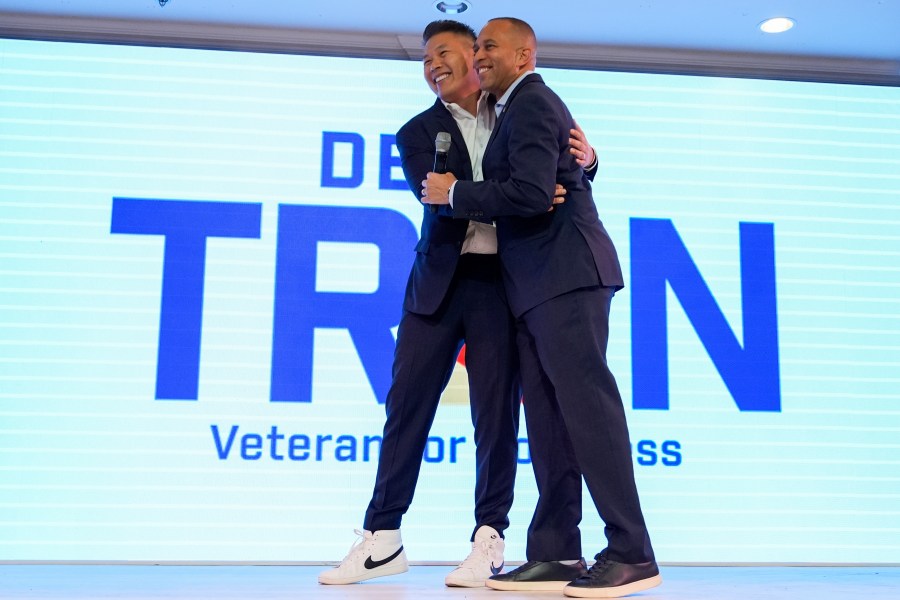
(454, 295)
(560, 270)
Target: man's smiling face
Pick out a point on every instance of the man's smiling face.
(500, 56)
(447, 64)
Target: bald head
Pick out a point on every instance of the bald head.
(521, 29)
(506, 47)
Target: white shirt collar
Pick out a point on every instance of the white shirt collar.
(457, 111)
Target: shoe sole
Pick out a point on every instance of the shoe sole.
(613, 592)
(463, 583)
(382, 571)
(527, 586)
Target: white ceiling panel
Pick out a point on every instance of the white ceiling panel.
(839, 40)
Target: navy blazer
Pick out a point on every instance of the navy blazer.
(442, 236)
(543, 254)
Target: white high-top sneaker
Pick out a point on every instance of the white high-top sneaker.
(486, 559)
(372, 555)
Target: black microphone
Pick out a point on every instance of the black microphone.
(441, 148)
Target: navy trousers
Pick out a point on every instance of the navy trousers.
(577, 428)
(474, 311)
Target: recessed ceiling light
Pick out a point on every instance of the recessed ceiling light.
(776, 25)
(453, 8)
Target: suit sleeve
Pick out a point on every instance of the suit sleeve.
(417, 159)
(533, 150)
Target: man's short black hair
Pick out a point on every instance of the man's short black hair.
(445, 26)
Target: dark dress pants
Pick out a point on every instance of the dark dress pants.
(577, 427)
(474, 311)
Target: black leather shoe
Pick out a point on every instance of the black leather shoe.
(538, 576)
(610, 579)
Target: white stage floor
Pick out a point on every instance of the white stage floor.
(425, 582)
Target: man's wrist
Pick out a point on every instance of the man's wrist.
(594, 163)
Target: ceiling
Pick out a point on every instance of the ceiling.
(854, 41)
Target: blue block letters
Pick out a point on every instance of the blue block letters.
(299, 308)
(751, 372)
(185, 225)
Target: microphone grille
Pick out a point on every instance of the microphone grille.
(442, 141)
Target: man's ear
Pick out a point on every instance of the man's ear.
(525, 58)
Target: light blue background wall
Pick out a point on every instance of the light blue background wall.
(93, 467)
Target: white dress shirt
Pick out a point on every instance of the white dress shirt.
(481, 238)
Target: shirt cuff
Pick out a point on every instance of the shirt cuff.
(450, 192)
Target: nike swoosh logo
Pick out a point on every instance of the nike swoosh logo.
(373, 564)
(496, 570)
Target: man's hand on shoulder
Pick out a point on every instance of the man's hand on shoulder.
(580, 148)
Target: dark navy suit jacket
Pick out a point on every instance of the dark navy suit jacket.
(441, 239)
(543, 254)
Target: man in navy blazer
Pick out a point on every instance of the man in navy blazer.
(454, 294)
(560, 270)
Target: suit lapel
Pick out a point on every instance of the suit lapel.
(459, 153)
(533, 78)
